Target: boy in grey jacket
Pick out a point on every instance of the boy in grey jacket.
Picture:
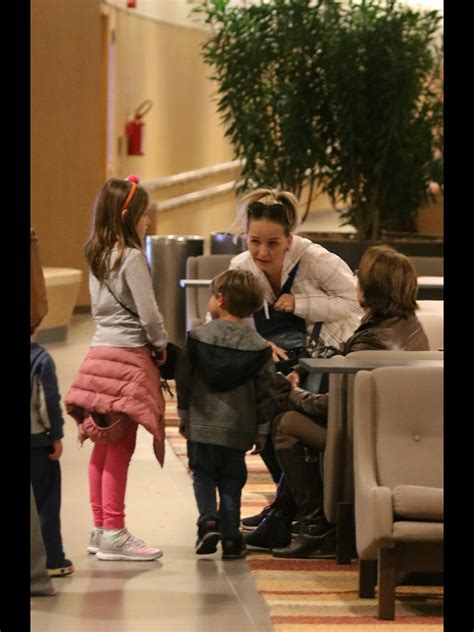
(225, 382)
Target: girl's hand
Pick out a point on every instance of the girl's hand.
(286, 303)
(159, 357)
(182, 430)
(277, 352)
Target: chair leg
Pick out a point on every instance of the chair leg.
(345, 533)
(386, 583)
(367, 578)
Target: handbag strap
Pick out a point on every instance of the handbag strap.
(120, 302)
(286, 287)
(286, 290)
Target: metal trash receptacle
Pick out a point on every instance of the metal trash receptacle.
(167, 256)
(223, 243)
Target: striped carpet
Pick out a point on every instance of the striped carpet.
(316, 594)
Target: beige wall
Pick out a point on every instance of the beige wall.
(67, 126)
(162, 62)
(153, 60)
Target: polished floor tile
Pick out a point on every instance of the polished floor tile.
(181, 592)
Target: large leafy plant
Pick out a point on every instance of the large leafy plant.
(329, 96)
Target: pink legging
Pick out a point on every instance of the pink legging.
(108, 469)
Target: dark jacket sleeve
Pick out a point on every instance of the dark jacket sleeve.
(184, 372)
(264, 382)
(49, 383)
(313, 405)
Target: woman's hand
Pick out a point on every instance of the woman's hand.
(286, 303)
(277, 352)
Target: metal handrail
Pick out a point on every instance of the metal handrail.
(195, 196)
(188, 176)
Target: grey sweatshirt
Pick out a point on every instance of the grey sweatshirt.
(131, 284)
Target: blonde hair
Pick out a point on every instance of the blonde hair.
(388, 281)
(289, 215)
(241, 290)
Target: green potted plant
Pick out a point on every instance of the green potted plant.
(325, 96)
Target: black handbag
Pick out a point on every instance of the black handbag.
(287, 331)
(168, 369)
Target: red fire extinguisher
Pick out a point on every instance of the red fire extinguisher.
(134, 129)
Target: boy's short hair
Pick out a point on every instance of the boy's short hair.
(241, 290)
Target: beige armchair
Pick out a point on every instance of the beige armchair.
(338, 473)
(398, 474)
(197, 298)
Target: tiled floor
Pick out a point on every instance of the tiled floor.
(178, 593)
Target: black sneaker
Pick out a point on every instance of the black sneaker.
(233, 549)
(66, 568)
(208, 537)
(252, 522)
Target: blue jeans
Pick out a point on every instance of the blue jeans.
(216, 467)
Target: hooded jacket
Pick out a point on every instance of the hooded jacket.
(324, 288)
(225, 381)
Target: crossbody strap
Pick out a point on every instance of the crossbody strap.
(286, 290)
(120, 302)
(289, 281)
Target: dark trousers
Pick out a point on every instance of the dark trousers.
(221, 469)
(46, 482)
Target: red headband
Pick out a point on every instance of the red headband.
(134, 181)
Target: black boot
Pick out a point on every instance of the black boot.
(273, 531)
(283, 501)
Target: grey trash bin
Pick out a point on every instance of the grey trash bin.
(223, 243)
(167, 256)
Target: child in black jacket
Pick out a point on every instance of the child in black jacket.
(46, 449)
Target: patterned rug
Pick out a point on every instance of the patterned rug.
(317, 594)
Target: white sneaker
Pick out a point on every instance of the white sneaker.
(94, 541)
(126, 547)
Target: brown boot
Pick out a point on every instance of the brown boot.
(304, 481)
(316, 536)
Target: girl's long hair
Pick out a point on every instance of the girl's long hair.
(112, 228)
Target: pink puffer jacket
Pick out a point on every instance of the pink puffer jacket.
(120, 380)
